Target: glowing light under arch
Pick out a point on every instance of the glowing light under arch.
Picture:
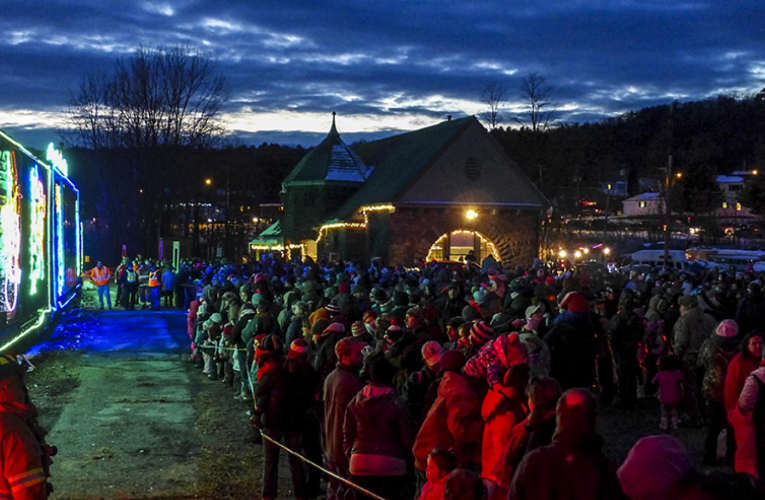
(439, 243)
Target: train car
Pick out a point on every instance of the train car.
(40, 239)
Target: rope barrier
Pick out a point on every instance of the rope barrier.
(310, 462)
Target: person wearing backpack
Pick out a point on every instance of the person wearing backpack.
(714, 357)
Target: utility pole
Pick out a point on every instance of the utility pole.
(668, 211)
(228, 212)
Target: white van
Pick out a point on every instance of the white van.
(645, 259)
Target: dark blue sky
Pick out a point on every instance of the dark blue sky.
(386, 66)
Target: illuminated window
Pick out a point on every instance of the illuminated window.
(725, 205)
(642, 204)
(738, 207)
(38, 205)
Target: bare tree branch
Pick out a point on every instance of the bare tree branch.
(493, 95)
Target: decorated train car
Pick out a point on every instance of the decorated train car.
(40, 239)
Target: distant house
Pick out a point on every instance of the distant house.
(643, 205)
(434, 193)
(730, 209)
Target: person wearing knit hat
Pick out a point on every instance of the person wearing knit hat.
(480, 333)
(654, 468)
(298, 349)
(333, 309)
(452, 360)
(393, 334)
(318, 314)
(357, 328)
(216, 318)
(727, 329)
(493, 360)
(715, 355)
(575, 302)
(348, 350)
(318, 327)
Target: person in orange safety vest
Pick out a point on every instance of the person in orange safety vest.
(26, 458)
(154, 286)
(101, 276)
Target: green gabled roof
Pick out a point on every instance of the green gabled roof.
(398, 160)
(331, 160)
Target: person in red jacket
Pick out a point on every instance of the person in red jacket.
(25, 457)
(741, 366)
(454, 421)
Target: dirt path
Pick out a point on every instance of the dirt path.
(133, 419)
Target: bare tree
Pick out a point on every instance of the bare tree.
(539, 114)
(540, 106)
(157, 97)
(493, 96)
(151, 104)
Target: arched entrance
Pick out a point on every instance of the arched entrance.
(455, 246)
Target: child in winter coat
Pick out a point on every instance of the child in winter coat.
(669, 379)
(440, 464)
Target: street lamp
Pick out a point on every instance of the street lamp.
(607, 251)
(471, 214)
(679, 175)
(578, 254)
(208, 181)
(255, 220)
(562, 254)
(586, 251)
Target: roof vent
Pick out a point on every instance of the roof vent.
(448, 118)
(472, 169)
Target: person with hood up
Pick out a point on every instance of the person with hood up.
(454, 420)
(714, 358)
(378, 434)
(488, 367)
(689, 334)
(573, 343)
(283, 395)
(534, 432)
(340, 387)
(573, 466)
(502, 412)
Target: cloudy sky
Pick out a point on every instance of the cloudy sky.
(386, 65)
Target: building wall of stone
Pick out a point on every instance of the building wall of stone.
(412, 231)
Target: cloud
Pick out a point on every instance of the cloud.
(393, 65)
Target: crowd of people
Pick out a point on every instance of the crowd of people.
(479, 382)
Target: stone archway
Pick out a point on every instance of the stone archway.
(456, 244)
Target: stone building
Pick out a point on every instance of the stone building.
(433, 193)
